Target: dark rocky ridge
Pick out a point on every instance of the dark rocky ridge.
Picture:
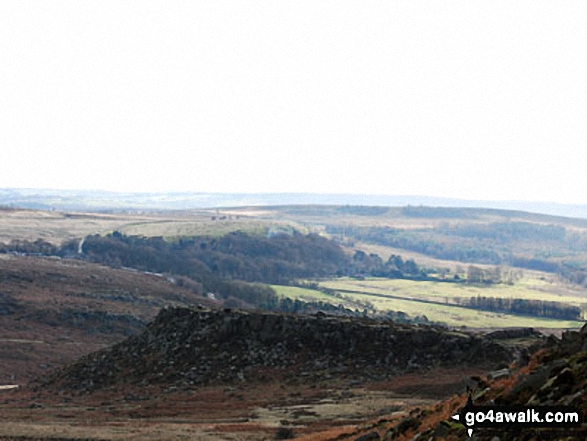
(186, 347)
(556, 375)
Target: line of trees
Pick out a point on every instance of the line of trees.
(496, 274)
(235, 256)
(238, 266)
(395, 267)
(424, 242)
(38, 247)
(534, 308)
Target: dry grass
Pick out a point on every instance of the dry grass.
(57, 227)
(129, 431)
(47, 299)
(244, 412)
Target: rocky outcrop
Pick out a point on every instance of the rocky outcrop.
(187, 347)
(504, 334)
(555, 376)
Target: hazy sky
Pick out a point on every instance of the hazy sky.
(471, 99)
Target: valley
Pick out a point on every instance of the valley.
(262, 323)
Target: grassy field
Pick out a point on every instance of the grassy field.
(414, 299)
(305, 294)
(410, 297)
(174, 229)
(453, 315)
(313, 295)
(528, 288)
(57, 227)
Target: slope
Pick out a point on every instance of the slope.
(54, 310)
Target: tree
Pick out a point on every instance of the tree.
(475, 274)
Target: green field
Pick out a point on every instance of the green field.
(305, 294)
(313, 295)
(174, 229)
(528, 288)
(380, 230)
(412, 297)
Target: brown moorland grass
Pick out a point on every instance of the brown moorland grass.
(56, 310)
(238, 412)
(58, 227)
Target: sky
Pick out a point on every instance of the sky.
(483, 100)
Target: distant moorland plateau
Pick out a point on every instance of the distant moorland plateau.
(100, 200)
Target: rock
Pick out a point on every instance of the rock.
(408, 424)
(503, 334)
(497, 375)
(372, 436)
(284, 433)
(441, 430)
(556, 375)
(197, 346)
(529, 385)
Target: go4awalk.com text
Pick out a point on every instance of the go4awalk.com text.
(516, 417)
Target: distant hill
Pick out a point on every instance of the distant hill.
(98, 200)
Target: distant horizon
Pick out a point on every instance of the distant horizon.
(106, 200)
(277, 193)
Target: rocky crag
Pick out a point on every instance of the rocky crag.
(555, 375)
(188, 347)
